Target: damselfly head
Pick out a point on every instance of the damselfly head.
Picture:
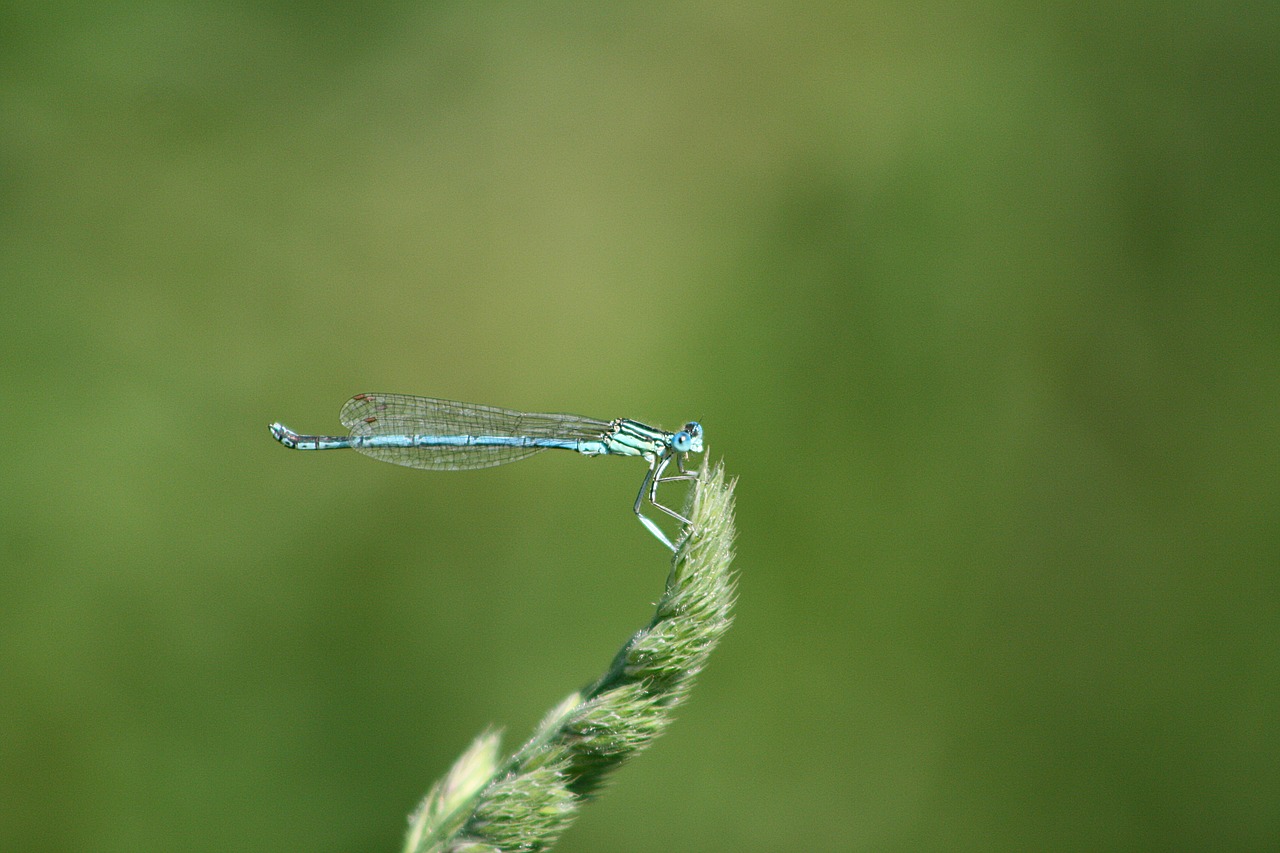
(689, 439)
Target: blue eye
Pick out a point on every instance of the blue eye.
(682, 441)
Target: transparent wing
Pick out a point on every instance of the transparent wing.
(402, 414)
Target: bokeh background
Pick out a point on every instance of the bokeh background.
(978, 300)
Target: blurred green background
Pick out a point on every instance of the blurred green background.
(978, 300)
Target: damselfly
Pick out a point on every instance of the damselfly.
(443, 435)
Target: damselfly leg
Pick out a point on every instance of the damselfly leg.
(649, 488)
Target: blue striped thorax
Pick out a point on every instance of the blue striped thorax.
(632, 438)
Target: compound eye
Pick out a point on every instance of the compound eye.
(682, 441)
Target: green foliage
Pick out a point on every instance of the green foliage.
(527, 801)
